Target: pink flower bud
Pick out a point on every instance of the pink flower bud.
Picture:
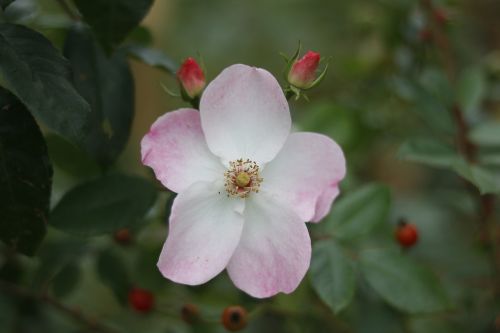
(303, 71)
(191, 78)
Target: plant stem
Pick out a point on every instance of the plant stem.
(76, 314)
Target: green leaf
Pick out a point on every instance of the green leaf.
(113, 273)
(486, 134)
(66, 280)
(153, 58)
(25, 177)
(113, 20)
(471, 89)
(332, 275)
(34, 71)
(359, 212)
(5, 3)
(485, 179)
(107, 85)
(104, 205)
(429, 152)
(402, 283)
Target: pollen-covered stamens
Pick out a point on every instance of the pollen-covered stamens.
(241, 178)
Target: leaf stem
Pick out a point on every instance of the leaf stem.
(76, 314)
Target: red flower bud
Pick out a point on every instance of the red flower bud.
(406, 234)
(141, 300)
(303, 71)
(191, 78)
(234, 318)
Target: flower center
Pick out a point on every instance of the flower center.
(241, 178)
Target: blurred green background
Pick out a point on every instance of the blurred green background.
(386, 100)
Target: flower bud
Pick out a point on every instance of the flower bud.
(123, 236)
(406, 234)
(191, 78)
(234, 318)
(302, 74)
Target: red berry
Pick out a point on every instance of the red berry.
(406, 234)
(141, 300)
(234, 318)
(123, 236)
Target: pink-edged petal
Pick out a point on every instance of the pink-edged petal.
(274, 251)
(176, 150)
(325, 201)
(204, 231)
(305, 174)
(244, 114)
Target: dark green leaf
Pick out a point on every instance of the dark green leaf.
(471, 89)
(113, 273)
(34, 71)
(5, 3)
(25, 177)
(66, 280)
(71, 158)
(359, 212)
(486, 134)
(402, 283)
(153, 58)
(332, 275)
(104, 205)
(113, 20)
(485, 179)
(108, 86)
(427, 151)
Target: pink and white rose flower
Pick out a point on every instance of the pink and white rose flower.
(245, 185)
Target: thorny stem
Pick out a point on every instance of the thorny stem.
(76, 314)
(67, 9)
(467, 148)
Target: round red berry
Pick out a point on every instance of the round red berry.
(141, 300)
(123, 236)
(406, 234)
(234, 318)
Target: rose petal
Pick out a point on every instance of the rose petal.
(305, 174)
(204, 230)
(175, 148)
(244, 114)
(274, 251)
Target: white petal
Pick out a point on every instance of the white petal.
(204, 230)
(305, 174)
(274, 251)
(244, 114)
(175, 148)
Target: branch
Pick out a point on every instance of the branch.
(91, 323)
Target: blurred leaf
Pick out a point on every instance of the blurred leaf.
(113, 273)
(433, 325)
(113, 20)
(486, 134)
(153, 58)
(108, 86)
(5, 3)
(427, 151)
(40, 80)
(332, 275)
(70, 158)
(104, 205)
(25, 177)
(471, 89)
(402, 283)
(140, 35)
(486, 180)
(359, 212)
(66, 280)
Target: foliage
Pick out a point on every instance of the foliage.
(411, 96)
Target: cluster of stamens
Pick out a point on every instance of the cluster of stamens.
(241, 178)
